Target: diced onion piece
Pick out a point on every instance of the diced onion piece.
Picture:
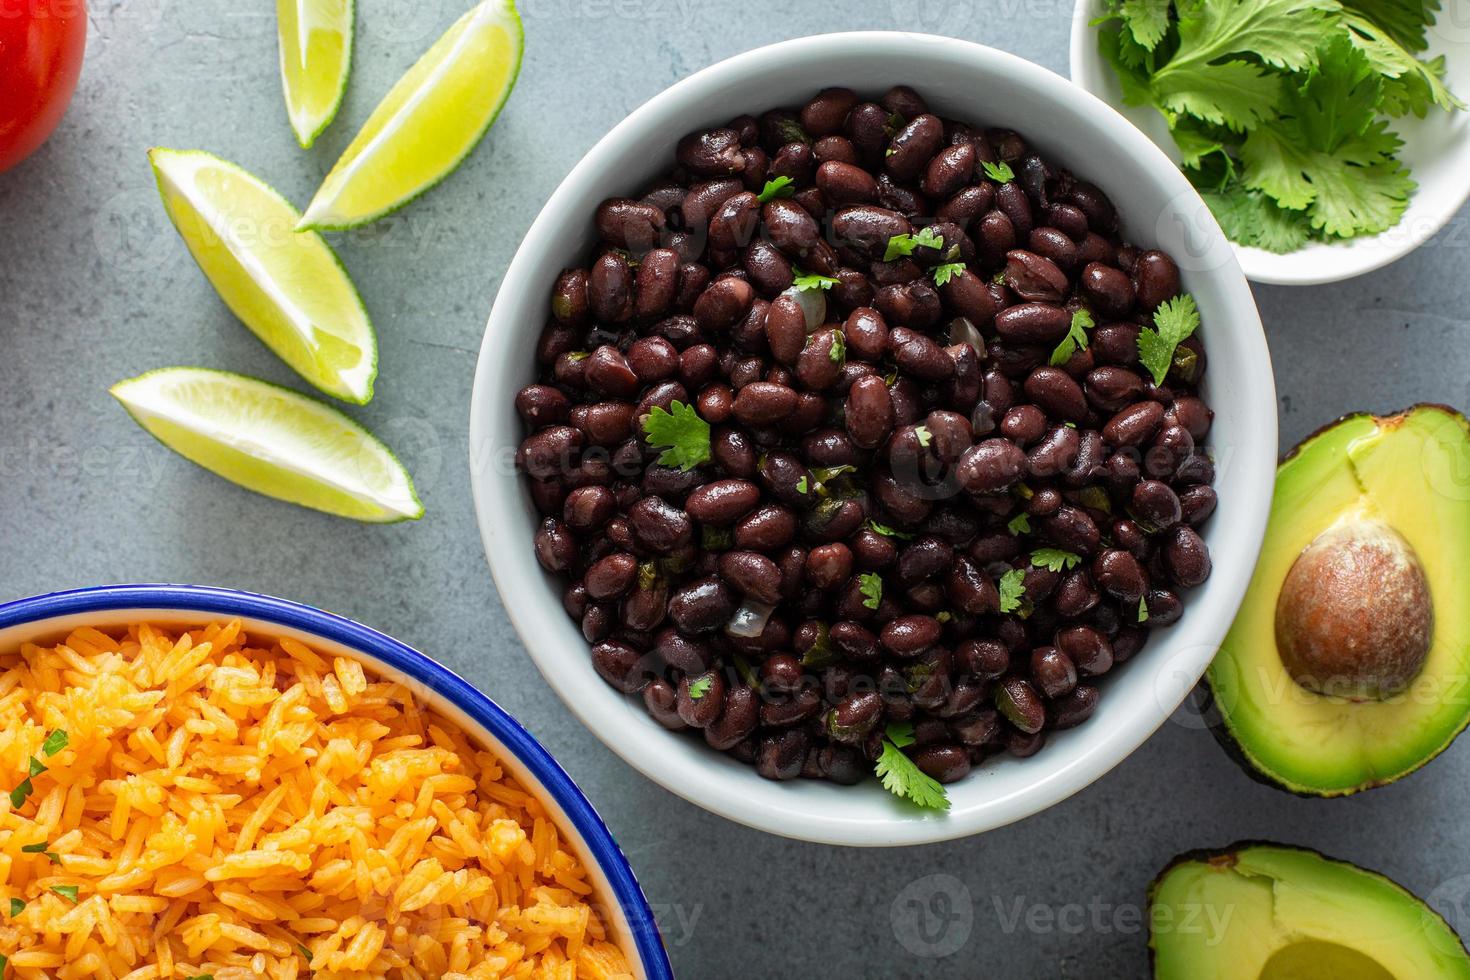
(750, 619)
(962, 331)
(813, 303)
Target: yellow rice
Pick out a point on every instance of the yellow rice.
(228, 809)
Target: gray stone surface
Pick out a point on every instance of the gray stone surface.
(94, 287)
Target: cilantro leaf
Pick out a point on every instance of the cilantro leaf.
(700, 686)
(1236, 94)
(54, 743)
(922, 433)
(66, 891)
(1075, 340)
(16, 907)
(944, 273)
(902, 245)
(1174, 321)
(21, 793)
(1143, 609)
(901, 734)
(1012, 589)
(1145, 20)
(1402, 21)
(304, 952)
(801, 485)
(903, 778)
(39, 848)
(889, 532)
(1020, 524)
(780, 187)
(1054, 559)
(813, 281)
(838, 352)
(870, 584)
(1251, 218)
(1000, 172)
(1279, 33)
(1329, 153)
(682, 434)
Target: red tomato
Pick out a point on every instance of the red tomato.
(41, 44)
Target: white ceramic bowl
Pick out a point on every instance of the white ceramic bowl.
(1436, 150)
(630, 921)
(966, 81)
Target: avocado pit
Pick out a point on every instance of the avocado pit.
(1354, 618)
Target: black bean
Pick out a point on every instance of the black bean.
(1052, 672)
(1087, 648)
(1186, 556)
(990, 466)
(737, 721)
(1018, 702)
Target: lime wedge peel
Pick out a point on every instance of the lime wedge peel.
(428, 123)
(273, 441)
(288, 287)
(315, 40)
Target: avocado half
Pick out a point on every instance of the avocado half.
(1403, 480)
(1256, 911)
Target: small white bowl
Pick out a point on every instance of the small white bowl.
(48, 618)
(1436, 151)
(966, 81)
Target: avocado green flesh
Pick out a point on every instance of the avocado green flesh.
(1278, 913)
(1413, 473)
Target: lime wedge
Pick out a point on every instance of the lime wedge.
(428, 123)
(272, 440)
(316, 57)
(288, 287)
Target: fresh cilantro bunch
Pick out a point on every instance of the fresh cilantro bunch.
(1281, 108)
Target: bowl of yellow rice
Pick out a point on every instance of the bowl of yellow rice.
(201, 783)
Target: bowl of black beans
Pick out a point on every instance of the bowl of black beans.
(869, 442)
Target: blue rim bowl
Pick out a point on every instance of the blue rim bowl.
(632, 921)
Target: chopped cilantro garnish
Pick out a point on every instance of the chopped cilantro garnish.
(1054, 559)
(779, 187)
(1143, 610)
(838, 353)
(1075, 340)
(1012, 589)
(902, 777)
(700, 686)
(1020, 524)
(1174, 322)
(54, 743)
(1000, 172)
(801, 485)
(681, 434)
(21, 793)
(901, 245)
(944, 273)
(36, 766)
(889, 532)
(813, 281)
(870, 584)
(35, 848)
(16, 907)
(923, 434)
(66, 891)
